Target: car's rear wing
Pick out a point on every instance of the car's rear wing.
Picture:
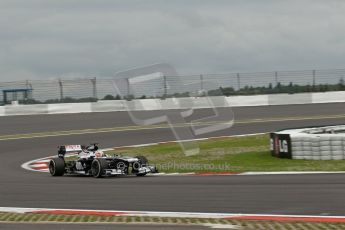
(69, 149)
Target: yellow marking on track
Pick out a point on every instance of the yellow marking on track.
(159, 126)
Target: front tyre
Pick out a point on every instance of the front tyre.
(142, 161)
(98, 167)
(57, 166)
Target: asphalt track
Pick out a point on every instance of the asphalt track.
(276, 194)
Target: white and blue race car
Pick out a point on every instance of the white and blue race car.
(91, 161)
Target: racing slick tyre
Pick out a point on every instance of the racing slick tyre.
(57, 166)
(143, 162)
(98, 167)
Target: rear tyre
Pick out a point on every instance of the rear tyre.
(57, 167)
(143, 162)
(98, 167)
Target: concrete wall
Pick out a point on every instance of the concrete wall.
(328, 97)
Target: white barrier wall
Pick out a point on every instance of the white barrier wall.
(25, 109)
(257, 100)
(69, 108)
(328, 97)
(2, 111)
(286, 99)
(148, 104)
(171, 103)
(174, 103)
(108, 106)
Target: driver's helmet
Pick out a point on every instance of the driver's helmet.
(99, 154)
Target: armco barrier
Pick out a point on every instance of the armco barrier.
(174, 103)
(321, 143)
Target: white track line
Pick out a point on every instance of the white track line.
(188, 140)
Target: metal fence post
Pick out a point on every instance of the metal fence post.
(314, 78)
(128, 87)
(94, 87)
(165, 86)
(238, 81)
(276, 77)
(29, 86)
(201, 83)
(61, 89)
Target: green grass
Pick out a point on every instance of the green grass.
(233, 154)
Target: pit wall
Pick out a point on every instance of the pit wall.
(174, 103)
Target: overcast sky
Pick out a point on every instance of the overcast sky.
(50, 39)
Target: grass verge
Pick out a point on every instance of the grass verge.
(233, 154)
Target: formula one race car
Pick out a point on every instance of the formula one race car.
(91, 161)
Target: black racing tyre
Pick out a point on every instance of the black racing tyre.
(57, 166)
(143, 162)
(98, 167)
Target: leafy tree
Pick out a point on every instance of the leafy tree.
(108, 97)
